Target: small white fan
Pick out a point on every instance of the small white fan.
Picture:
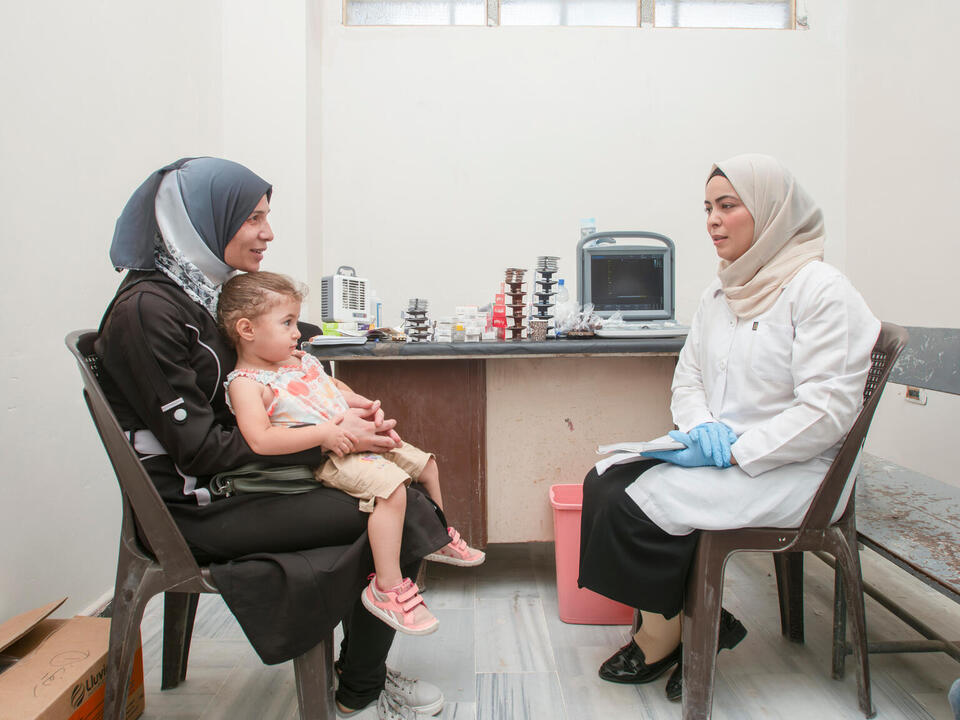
(343, 297)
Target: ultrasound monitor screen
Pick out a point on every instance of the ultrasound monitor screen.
(627, 282)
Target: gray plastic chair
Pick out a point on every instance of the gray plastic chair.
(701, 609)
(168, 567)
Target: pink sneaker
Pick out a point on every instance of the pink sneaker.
(457, 552)
(401, 607)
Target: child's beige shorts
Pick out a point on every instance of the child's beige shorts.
(367, 476)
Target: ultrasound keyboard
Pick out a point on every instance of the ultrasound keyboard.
(644, 330)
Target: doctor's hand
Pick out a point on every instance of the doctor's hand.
(715, 440)
(691, 456)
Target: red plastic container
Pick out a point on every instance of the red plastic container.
(577, 605)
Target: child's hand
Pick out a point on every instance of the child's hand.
(336, 439)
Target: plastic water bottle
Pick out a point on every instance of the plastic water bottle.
(562, 309)
(588, 226)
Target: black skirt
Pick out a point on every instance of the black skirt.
(624, 555)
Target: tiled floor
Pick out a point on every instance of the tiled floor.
(502, 653)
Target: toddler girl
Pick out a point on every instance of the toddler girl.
(284, 403)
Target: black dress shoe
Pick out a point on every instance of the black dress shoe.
(675, 684)
(729, 636)
(628, 665)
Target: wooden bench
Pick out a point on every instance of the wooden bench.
(908, 518)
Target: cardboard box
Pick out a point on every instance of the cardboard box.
(53, 669)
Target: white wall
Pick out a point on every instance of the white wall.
(903, 179)
(95, 96)
(264, 114)
(449, 154)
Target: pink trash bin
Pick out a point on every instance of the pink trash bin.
(577, 605)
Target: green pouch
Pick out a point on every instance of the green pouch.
(258, 477)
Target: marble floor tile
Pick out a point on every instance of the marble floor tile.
(933, 704)
(450, 587)
(506, 573)
(226, 654)
(890, 695)
(781, 695)
(446, 658)
(587, 696)
(175, 702)
(511, 636)
(458, 711)
(584, 660)
(265, 692)
(519, 696)
(202, 679)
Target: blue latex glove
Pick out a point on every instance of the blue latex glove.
(690, 456)
(715, 440)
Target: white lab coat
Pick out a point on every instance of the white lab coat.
(790, 384)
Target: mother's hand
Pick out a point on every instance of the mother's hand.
(370, 436)
(371, 410)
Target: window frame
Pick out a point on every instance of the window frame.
(646, 18)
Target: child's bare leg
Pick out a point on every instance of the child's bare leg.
(385, 528)
(430, 479)
(456, 552)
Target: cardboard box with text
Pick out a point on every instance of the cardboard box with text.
(53, 669)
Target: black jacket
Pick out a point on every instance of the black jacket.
(166, 363)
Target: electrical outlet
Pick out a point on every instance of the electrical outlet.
(915, 395)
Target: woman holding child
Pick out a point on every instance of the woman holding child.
(767, 385)
(183, 233)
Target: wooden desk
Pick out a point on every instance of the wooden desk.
(508, 419)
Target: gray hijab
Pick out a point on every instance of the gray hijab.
(180, 220)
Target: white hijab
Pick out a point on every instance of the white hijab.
(788, 233)
(182, 255)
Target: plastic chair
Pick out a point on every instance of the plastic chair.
(168, 567)
(701, 611)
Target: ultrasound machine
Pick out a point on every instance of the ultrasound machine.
(636, 280)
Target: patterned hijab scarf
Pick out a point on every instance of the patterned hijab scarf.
(180, 220)
(788, 233)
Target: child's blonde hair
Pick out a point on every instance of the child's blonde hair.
(250, 295)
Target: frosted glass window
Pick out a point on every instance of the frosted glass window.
(723, 13)
(622, 13)
(416, 12)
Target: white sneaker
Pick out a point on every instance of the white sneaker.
(422, 697)
(389, 708)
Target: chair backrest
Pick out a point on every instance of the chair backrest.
(140, 497)
(890, 343)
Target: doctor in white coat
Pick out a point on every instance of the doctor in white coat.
(767, 385)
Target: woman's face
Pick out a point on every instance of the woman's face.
(245, 249)
(729, 222)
